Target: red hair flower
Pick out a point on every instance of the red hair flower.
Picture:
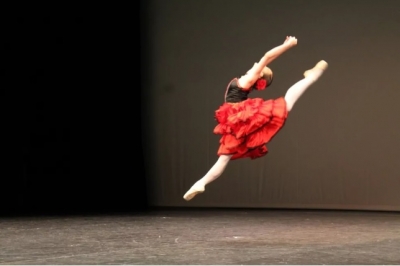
(261, 84)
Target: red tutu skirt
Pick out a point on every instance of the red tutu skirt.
(246, 127)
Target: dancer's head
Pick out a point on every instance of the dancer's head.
(268, 75)
(265, 79)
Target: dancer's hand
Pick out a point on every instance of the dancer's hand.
(290, 41)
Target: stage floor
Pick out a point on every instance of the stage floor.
(203, 236)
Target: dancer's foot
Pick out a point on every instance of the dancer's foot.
(193, 191)
(317, 70)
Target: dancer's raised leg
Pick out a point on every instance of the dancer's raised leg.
(212, 174)
(310, 76)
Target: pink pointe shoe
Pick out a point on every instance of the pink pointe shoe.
(322, 65)
(193, 191)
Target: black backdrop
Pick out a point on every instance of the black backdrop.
(72, 116)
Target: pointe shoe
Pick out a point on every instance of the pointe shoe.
(323, 65)
(193, 191)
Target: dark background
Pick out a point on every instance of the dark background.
(87, 130)
(339, 148)
(72, 105)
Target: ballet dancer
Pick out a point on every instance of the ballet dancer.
(245, 124)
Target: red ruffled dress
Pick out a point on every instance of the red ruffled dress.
(248, 124)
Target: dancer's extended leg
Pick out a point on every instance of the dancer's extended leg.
(310, 76)
(292, 95)
(215, 171)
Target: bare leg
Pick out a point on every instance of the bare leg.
(212, 174)
(310, 76)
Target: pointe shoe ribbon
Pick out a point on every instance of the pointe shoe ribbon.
(193, 191)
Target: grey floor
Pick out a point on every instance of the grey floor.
(190, 236)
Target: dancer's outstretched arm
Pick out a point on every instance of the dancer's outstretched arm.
(246, 81)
